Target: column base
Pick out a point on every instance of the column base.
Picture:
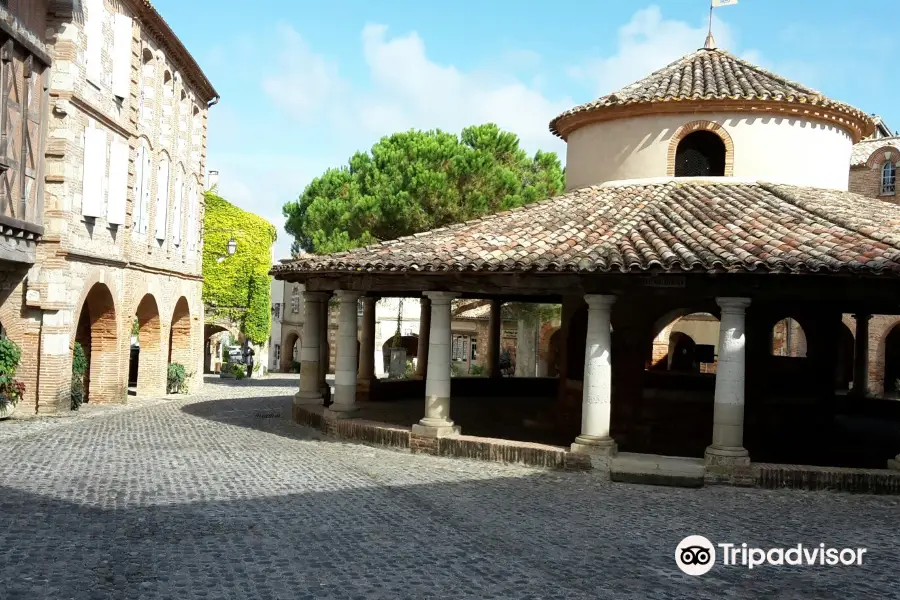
(600, 449)
(729, 465)
(341, 412)
(894, 463)
(308, 398)
(435, 428)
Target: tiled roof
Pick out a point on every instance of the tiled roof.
(683, 225)
(711, 74)
(864, 149)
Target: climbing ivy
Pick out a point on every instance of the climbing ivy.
(236, 288)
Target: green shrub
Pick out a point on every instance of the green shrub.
(176, 381)
(477, 370)
(410, 370)
(238, 370)
(79, 368)
(10, 355)
(11, 389)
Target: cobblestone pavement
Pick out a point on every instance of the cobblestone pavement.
(220, 496)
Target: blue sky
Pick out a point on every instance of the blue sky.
(306, 84)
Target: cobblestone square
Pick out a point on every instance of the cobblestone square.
(221, 496)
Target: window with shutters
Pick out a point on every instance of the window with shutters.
(700, 154)
(93, 31)
(93, 172)
(117, 194)
(162, 198)
(142, 182)
(192, 225)
(148, 89)
(888, 179)
(177, 205)
(122, 41)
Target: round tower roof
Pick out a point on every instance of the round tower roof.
(709, 80)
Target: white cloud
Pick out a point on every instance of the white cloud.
(306, 82)
(647, 43)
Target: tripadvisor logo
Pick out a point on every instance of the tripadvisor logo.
(696, 555)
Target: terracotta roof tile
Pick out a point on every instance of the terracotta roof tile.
(701, 225)
(712, 74)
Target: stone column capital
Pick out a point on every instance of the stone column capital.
(599, 301)
(315, 296)
(862, 317)
(733, 305)
(440, 297)
(347, 295)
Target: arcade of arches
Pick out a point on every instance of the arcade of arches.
(665, 367)
(104, 335)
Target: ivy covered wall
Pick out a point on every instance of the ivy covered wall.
(237, 288)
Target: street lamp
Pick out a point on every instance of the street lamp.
(231, 248)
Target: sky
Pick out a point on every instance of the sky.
(305, 84)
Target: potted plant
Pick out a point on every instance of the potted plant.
(11, 389)
(79, 368)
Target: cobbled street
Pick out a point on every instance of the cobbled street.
(221, 496)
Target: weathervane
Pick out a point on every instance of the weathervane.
(710, 40)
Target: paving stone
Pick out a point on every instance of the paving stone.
(214, 497)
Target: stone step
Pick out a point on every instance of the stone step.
(654, 469)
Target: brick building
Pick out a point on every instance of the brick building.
(113, 197)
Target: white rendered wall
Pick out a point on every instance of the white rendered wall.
(766, 148)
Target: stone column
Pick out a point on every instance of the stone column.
(861, 356)
(424, 337)
(727, 446)
(597, 391)
(310, 391)
(345, 367)
(526, 351)
(494, 325)
(436, 422)
(324, 348)
(366, 349)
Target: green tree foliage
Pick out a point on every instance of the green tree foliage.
(237, 288)
(418, 180)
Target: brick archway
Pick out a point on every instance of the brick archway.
(693, 127)
(151, 371)
(97, 332)
(180, 335)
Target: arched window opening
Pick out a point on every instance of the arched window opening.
(700, 154)
(888, 178)
(687, 344)
(788, 339)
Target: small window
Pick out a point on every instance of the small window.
(277, 352)
(888, 178)
(700, 154)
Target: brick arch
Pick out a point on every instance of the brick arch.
(692, 127)
(151, 371)
(876, 159)
(877, 371)
(97, 330)
(180, 337)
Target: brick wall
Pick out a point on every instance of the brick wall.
(866, 179)
(91, 264)
(31, 13)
